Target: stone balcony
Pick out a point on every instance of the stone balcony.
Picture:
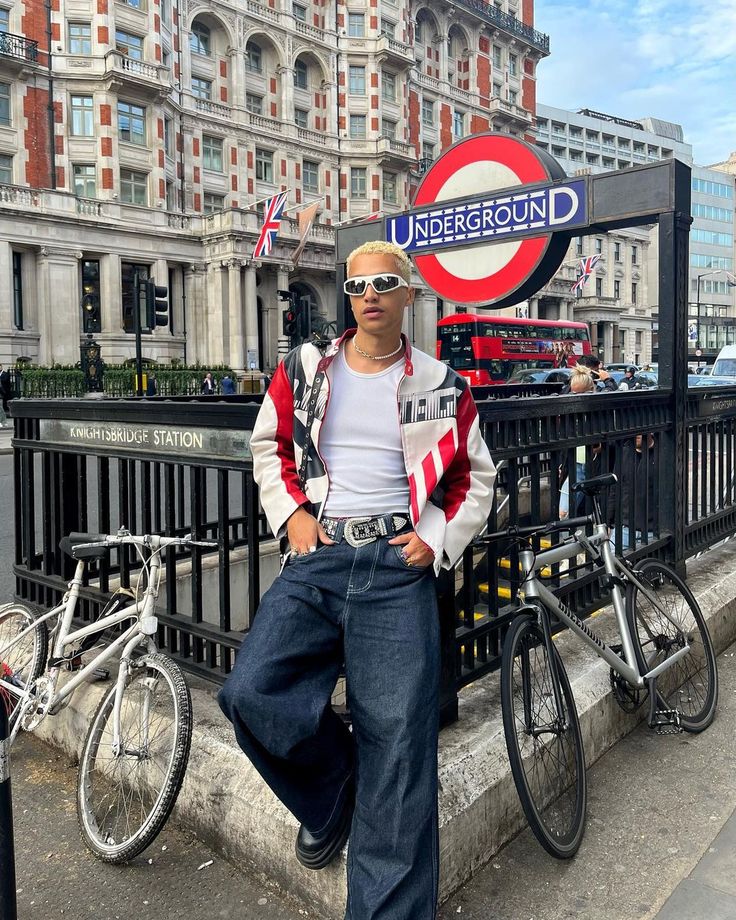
(508, 114)
(141, 79)
(394, 52)
(17, 53)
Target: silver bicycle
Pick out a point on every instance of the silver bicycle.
(666, 653)
(136, 751)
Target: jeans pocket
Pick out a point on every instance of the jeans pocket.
(321, 547)
(398, 550)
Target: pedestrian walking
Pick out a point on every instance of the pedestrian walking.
(227, 385)
(369, 457)
(5, 393)
(208, 385)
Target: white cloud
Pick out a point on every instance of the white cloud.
(675, 61)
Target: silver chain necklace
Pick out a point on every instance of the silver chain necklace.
(378, 357)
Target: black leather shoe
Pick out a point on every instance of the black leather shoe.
(315, 851)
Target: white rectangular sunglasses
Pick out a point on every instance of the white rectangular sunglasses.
(381, 284)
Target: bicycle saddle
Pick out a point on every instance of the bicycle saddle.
(73, 546)
(595, 484)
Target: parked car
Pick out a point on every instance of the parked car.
(725, 363)
(621, 367)
(708, 380)
(643, 380)
(706, 370)
(550, 375)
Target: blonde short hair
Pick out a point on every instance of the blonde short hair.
(403, 265)
(581, 380)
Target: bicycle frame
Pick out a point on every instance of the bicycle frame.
(596, 546)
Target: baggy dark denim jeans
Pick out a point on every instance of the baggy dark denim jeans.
(367, 605)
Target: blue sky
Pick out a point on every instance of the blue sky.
(671, 59)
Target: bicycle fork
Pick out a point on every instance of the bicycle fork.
(560, 725)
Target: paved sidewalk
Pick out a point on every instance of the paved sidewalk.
(6, 435)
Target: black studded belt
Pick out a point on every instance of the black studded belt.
(364, 530)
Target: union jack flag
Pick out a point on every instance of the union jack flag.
(272, 211)
(586, 270)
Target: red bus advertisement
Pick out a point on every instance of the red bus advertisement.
(488, 349)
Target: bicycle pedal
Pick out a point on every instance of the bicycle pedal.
(667, 722)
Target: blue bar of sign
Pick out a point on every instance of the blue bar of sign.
(491, 218)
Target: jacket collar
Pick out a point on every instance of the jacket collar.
(334, 347)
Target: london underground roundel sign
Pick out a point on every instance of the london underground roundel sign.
(505, 270)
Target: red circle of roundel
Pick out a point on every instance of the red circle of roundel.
(524, 162)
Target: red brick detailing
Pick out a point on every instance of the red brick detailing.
(223, 94)
(274, 110)
(445, 125)
(341, 99)
(234, 182)
(374, 124)
(233, 156)
(373, 20)
(223, 68)
(529, 95)
(59, 143)
(272, 3)
(177, 71)
(297, 171)
(179, 142)
(249, 159)
(179, 171)
(328, 179)
(157, 53)
(106, 146)
(233, 204)
(484, 45)
(161, 158)
(176, 37)
(316, 20)
(175, 16)
(374, 80)
(283, 167)
(60, 177)
(478, 124)
(107, 182)
(375, 205)
(375, 182)
(344, 206)
(414, 118)
(56, 31)
(160, 128)
(197, 202)
(317, 102)
(529, 67)
(161, 188)
(341, 122)
(341, 78)
(298, 195)
(374, 102)
(196, 176)
(250, 186)
(343, 180)
(340, 20)
(272, 85)
(102, 7)
(105, 114)
(527, 12)
(58, 114)
(103, 35)
(156, 23)
(195, 146)
(328, 203)
(38, 167)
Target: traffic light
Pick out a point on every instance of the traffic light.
(90, 313)
(157, 304)
(289, 322)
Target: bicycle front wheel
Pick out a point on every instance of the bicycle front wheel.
(660, 626)
(126, 791)
(21, 660)
(545, 747)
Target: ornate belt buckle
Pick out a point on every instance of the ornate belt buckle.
(352, 531)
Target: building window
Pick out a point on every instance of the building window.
(497, 90)
(212, 202)
(170, 196)
(390, 187)
(129, 45)
(301, 75)
(301, 118)
(253, 60)
(617, 290)
(427, 112)
(633, 291)
(388, 28)
(82, 116)
(598, 245)
(4, 103)
(85, 180)
(388, 86)
(200, 40)
(358, 183)
(80, 38)
(388, 129)
(578, 246)
(356, 80)
(136, 4)
(356, 25)
(513, 65)
(299, 11)
(617, 252)
(357, 127)
(212, 153)
(132, 123)
(264, 165)
(202, 89)
(91, 296)
(128, 271)
(458, 128)
(513, 97)
(133, 186)
(497, 59)
(254, 104)
(4, 19)
(165, 12)
(310, 176)
(427, 151)
(634, 255)
(419, 32)
(168, 137)
(18, 289)
(599, 287)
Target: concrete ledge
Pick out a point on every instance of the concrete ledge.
(224, 801)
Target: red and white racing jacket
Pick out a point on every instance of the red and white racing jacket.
(448, 464)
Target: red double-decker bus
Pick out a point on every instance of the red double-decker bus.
(488, 349)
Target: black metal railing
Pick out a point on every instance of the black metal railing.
(145, 475)
(18, 46)
(508, 23)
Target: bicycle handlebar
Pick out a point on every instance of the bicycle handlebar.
(538, 529)
(123, 539)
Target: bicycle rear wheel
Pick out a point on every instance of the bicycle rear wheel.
(124, 797)
(691, 684)
(22, 663)
(547, 758)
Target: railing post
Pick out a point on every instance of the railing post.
(674, 230)
(8, 904)
(446, 607)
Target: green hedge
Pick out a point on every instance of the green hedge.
(61, 381)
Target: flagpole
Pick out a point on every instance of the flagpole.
(260, 200)
(304, 206)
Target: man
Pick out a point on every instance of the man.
(227, 385)
(601, 378)
(4, 388)
(208, 386)
(628, 382)
(398, 480)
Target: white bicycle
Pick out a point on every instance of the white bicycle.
(137, 746)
